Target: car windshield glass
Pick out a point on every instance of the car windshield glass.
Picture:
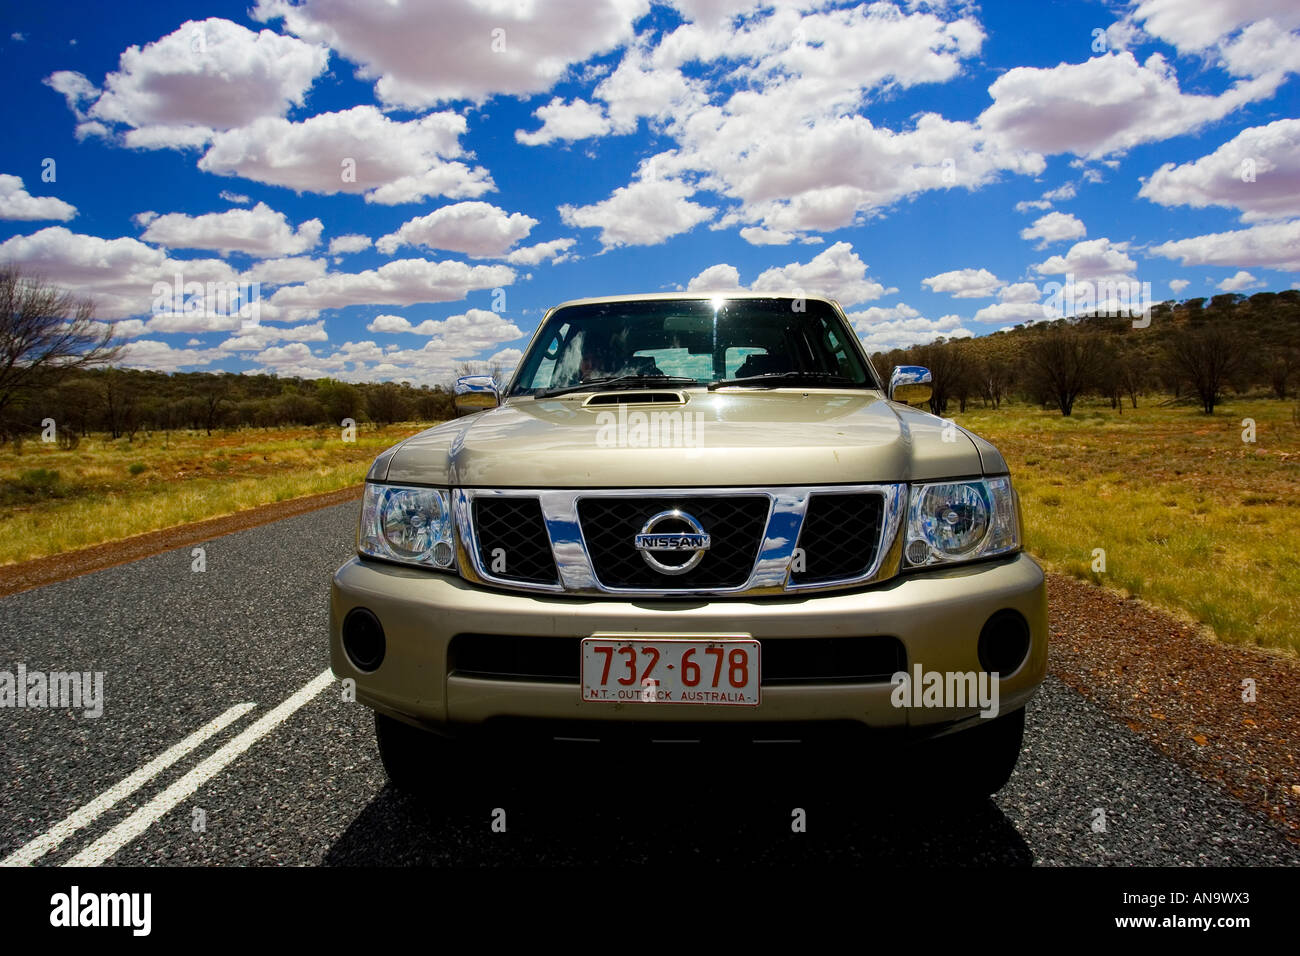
(694, 342)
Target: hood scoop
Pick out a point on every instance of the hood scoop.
(636, 398)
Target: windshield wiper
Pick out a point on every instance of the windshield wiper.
(775, 379)
(617, 381)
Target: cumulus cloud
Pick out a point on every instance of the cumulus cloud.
(205, 76)
(898, 326)
(471, 331)
(400, 282)
(260, 231)
(1236, 283)
(358, 151)
(964, 283)
(556, 250)
(477, 229)
(565, 121)
(152, 354)
(1257, 172)
(719, 278)
(1017, 303)
(1105, 105)
(1094, 260)
(1178, 285)
(643, 213)
(1054, 227)
(1192, 25)
(119, 274)
(340, 245)
(421, 54)
(837, 272)
(285, 271)
(1267, 246)
(16, 203)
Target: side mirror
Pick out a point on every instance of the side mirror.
(475, 393)
(910, 384)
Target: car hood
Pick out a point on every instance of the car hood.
(725, 438)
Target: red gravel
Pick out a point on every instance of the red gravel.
(1183, 692)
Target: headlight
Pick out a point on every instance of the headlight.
(411, 525)
(960, 521)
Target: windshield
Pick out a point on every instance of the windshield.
(696, 342)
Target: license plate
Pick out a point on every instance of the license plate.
(618, 669)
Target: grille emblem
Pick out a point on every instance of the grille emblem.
(694, 542)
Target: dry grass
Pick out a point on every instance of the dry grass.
(58, 500)
(1190, 517)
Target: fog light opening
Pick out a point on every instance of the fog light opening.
(1004, 643)
(363, 639)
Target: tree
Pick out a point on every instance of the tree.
(1062, 362)
(387, 404)
(45, 333)
(1206, 358)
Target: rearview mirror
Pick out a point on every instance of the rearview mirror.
(910, 384)
(475, 393)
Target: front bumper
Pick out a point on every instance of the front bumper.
(937, 615)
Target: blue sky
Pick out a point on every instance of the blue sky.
(932, 165)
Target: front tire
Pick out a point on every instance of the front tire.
(411, 756)
(979, 761)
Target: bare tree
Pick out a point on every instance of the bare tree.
(1206, 358)
(1063, 362)
(45, 332)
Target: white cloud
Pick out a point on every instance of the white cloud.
(260, 336)
(1193, 25)
(1178, 285)
(1268, 246)
(964, 283)
(719, 278)
(1054, 227)
(352, 242)
(1092, 260)
(1105, 105)
(421, 54)
(358, 150)
(119, 274)
(205, 76)
(1257, 171)
(260, 231)
(643, 213)
(475, 228)
(898, 326)
(565, 121)
(152, 354)
(16, 203)
(239, 199)
(472, 331)
(557, 250)
(1242, 280)
(1017, 303)
(400, 282)
(837, 272)
(286, 270)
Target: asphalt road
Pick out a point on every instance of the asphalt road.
(295, 777)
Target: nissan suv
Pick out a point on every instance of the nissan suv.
(686, 518)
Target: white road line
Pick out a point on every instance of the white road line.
(186, 786)
(50, 840)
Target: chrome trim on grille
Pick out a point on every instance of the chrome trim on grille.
(771, 571)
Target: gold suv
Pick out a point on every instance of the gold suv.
(691, 517)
